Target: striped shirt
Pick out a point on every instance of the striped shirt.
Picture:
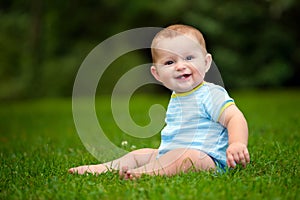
(192, 121)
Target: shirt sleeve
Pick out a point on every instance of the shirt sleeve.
(216, 102)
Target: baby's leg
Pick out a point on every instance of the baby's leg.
(173, 162)
(131, 160)
(93, 169)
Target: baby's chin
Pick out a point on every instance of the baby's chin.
(185, 90)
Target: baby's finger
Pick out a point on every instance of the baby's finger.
(230, 161)
(130, 175)
(125, 169)
(122, 172)
(247, 156)
(242, 159)
(236, 158)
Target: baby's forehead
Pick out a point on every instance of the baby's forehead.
(171, 53)
(183, 40)
(177, 45)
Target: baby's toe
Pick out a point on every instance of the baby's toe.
(71, 171)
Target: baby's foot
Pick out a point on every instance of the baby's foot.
(93, 169)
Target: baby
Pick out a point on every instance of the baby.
(204, 128)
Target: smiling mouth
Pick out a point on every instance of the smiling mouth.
(184, 76)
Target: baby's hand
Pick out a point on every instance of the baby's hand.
(237, 153)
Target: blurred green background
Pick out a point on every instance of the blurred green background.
(255, 44)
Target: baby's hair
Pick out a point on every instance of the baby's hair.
(174, 31)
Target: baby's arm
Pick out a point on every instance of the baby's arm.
(237, 151)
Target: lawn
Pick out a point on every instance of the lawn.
(39, 143)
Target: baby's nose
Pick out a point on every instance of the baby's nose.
(180, 66)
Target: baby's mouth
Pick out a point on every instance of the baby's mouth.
(183, 76)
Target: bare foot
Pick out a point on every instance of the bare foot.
(92, 169)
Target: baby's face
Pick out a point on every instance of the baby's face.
(181, 63)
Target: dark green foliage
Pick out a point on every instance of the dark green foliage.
(43, 43)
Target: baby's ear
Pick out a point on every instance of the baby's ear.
(155, 73)
(208, 60)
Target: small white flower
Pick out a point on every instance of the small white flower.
(133, 147)
(124, 143)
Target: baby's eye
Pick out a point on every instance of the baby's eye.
(169, 62)
(189, 57)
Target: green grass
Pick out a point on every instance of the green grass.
(38, 143)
